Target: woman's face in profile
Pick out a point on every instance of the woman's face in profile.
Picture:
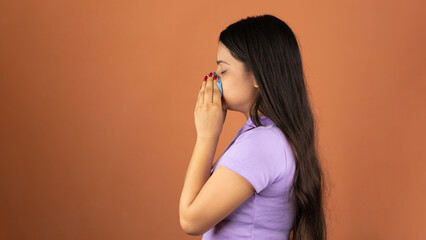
(239, 87)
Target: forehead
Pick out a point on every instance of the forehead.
(223, 53)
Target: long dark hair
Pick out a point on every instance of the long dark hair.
(268, 48)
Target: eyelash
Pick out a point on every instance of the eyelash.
(223, 72)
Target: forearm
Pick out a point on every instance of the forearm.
(198, 171)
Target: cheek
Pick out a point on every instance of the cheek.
(234, 94)
(228, 89)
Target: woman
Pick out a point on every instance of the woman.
(268, 182)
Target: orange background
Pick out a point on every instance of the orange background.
(97, 101)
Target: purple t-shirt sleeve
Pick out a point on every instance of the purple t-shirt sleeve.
(258, 156)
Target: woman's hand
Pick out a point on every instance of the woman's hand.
(209, 115)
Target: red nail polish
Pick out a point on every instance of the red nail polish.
(205, 78)
(210, 74)
(214, 78)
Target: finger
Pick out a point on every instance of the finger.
(202, 91)
(208, 91)
(199, 97)
(216, 93)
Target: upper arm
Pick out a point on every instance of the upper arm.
(223, 192)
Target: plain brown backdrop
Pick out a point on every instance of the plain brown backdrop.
(97, 101)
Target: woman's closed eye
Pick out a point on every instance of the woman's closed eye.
(223, 72)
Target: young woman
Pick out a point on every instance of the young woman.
(268, 184)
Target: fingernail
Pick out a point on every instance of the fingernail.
(210, 74)
(205, 78)
(214, 78)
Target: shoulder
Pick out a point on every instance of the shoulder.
(264, 142)
(267, 142)
(263, 135)
(259, 155)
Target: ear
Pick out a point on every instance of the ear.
(255, 84)
(254, 81)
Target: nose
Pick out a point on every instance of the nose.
(215, 73)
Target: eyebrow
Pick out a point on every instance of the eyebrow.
(218, 62)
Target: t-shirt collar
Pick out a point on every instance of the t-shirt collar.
(263, 119)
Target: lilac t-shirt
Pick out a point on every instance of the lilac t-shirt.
(264, 157)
